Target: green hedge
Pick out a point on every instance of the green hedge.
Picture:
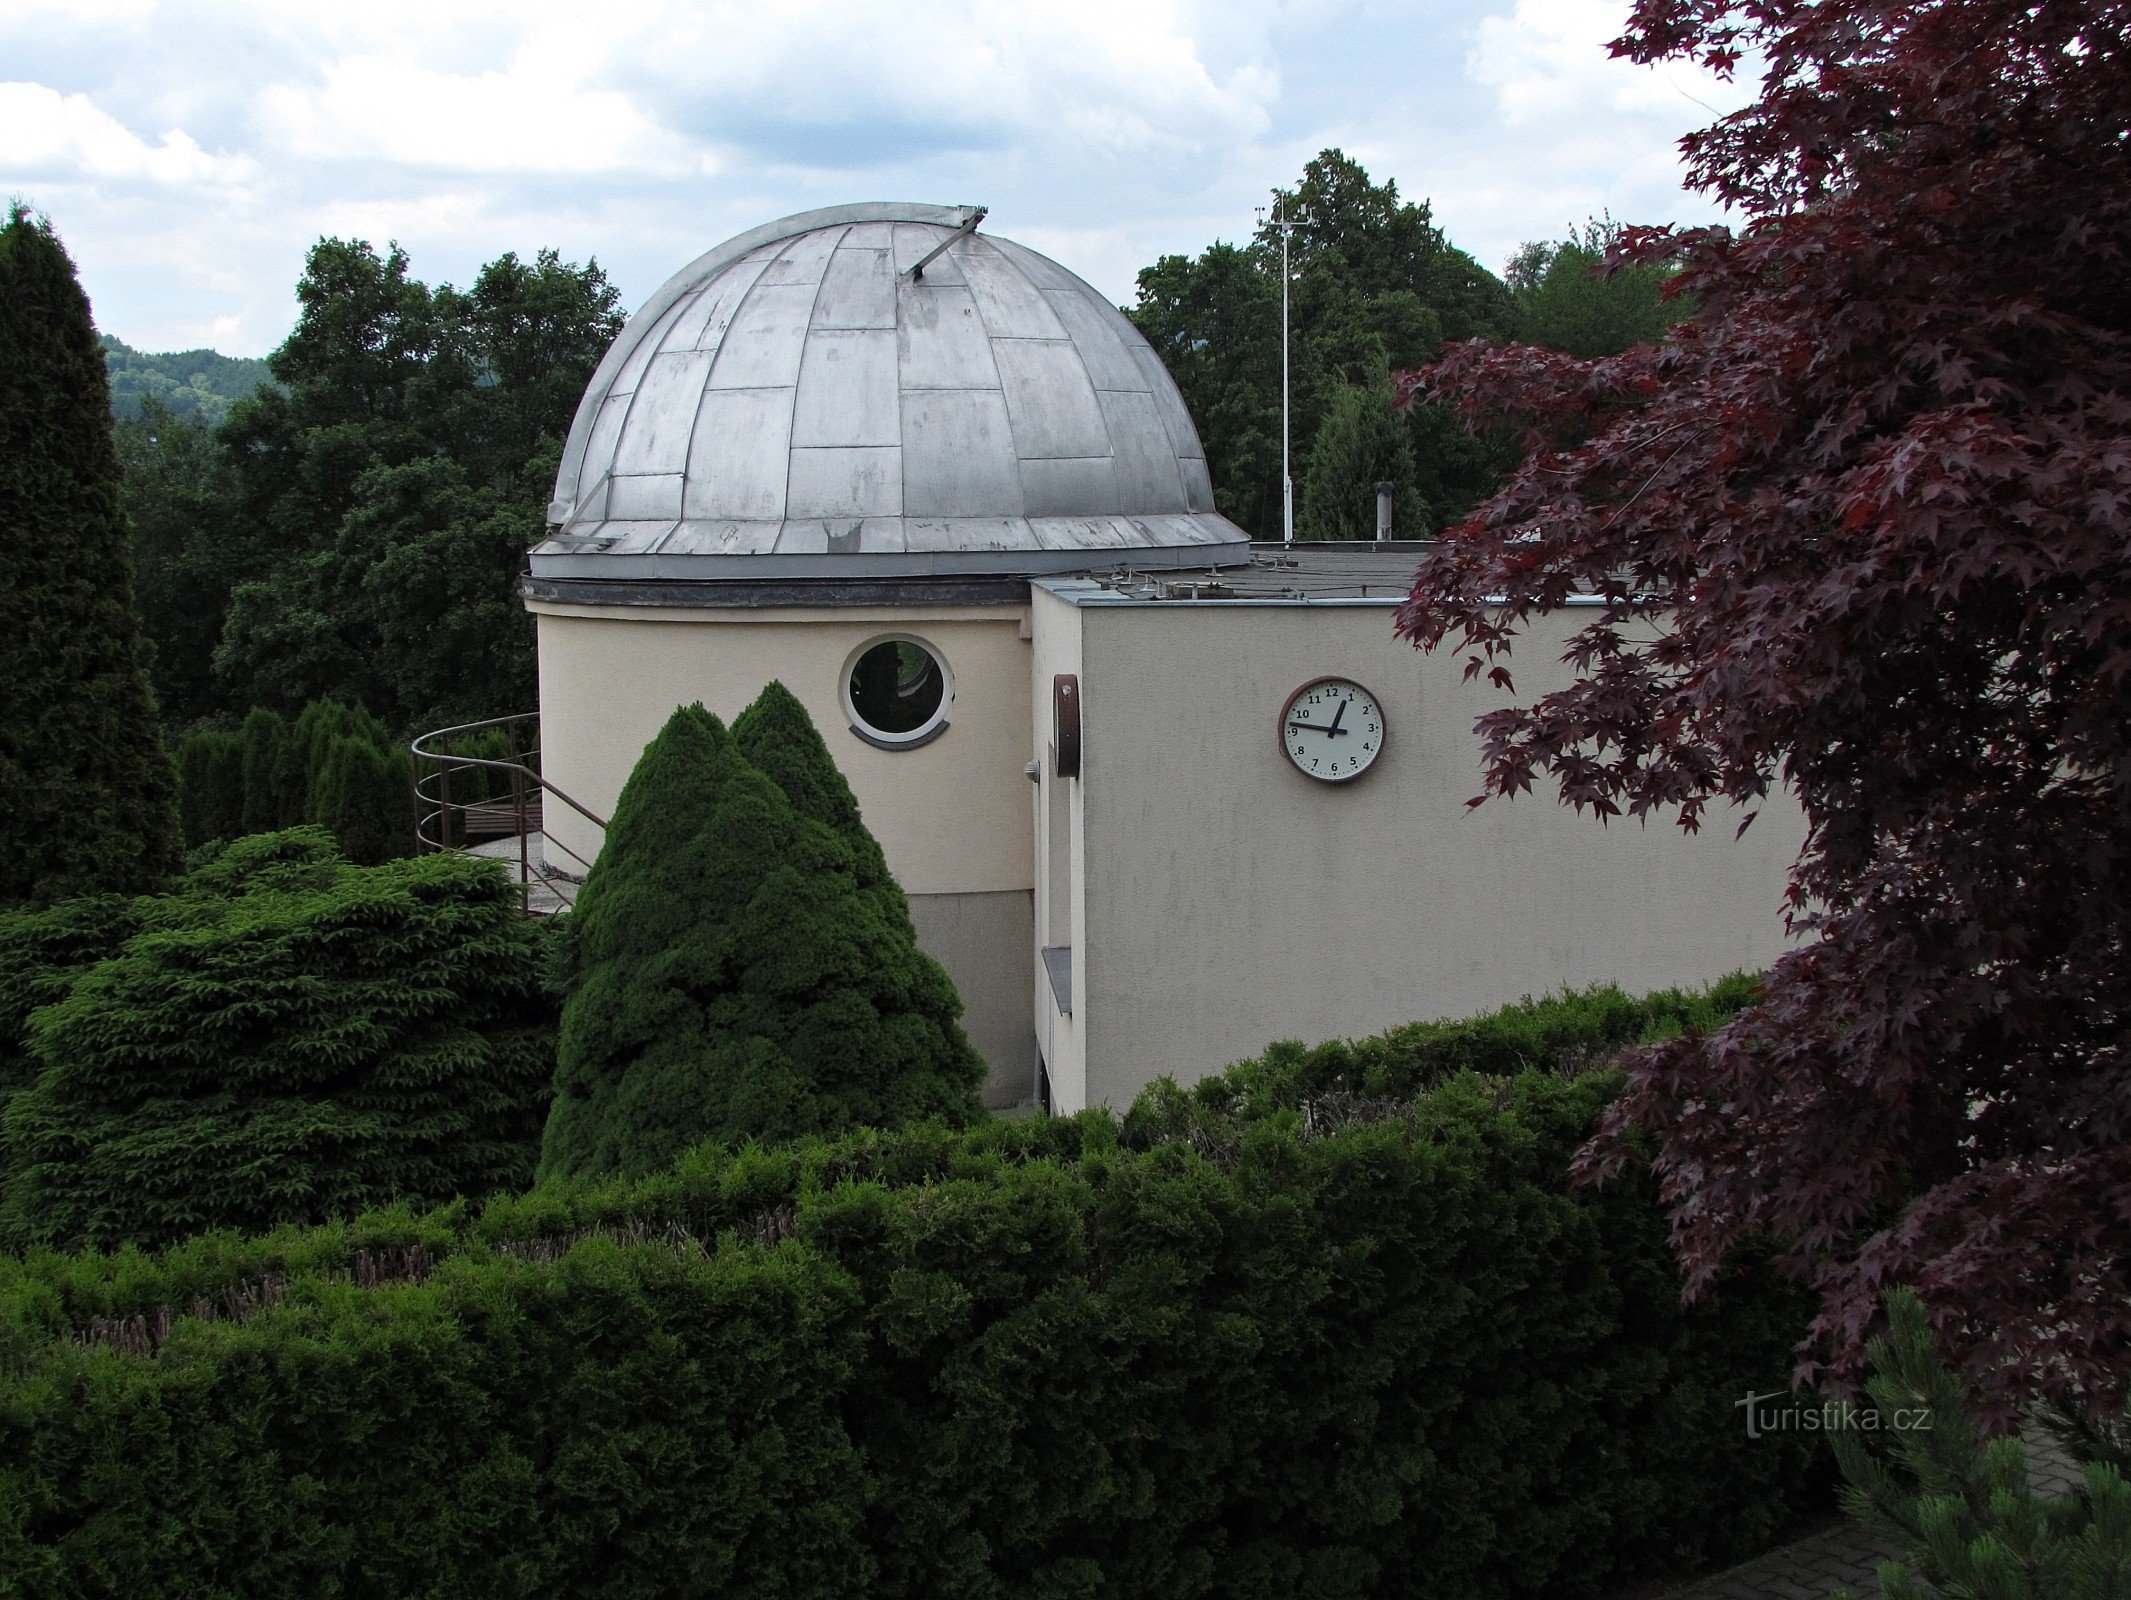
(335, 766)
(1570, 1031)
(289, 1038)
(1386, 1352)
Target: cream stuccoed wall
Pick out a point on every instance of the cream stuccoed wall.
(1230, 901)
(952, 816)
(1061, 854)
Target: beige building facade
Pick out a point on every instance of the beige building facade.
(946, 494)
(1214, 898)
(951, 815)
(1188, 895)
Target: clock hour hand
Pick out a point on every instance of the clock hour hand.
(1336, 716)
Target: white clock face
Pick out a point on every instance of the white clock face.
(1332, 729)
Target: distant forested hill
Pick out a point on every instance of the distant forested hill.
(190, 382)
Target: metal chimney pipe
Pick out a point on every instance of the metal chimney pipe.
(1384, 491)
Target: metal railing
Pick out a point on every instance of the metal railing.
(497, 799)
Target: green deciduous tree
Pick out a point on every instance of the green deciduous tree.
(188, 550)
(1215, 320)
(89, 793)
(311, 1040)
(730, 978)
(354, 528)
(1376, 287)
(185, 384)
(1567, 296)
(399, 474)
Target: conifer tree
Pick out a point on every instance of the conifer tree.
(310, 745)
(1963, 1511)
(780, 739)
(729, 978)
(364, 792)
(90, 794)
(265, 735)
(211, 786)
(1361, 442)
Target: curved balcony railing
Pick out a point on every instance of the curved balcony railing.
(462, 800)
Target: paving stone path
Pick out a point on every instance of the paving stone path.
(546, 895)
(1844, 1556)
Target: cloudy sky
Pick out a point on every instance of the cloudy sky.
(190, 153)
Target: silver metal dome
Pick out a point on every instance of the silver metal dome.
(879, 389)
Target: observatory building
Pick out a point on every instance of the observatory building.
(1157, 796)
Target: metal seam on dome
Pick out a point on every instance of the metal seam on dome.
(1013, 439)
(799, 372)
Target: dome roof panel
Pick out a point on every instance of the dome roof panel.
(819, 397)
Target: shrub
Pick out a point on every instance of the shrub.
(336, 766)
(265, 737)
(43, 949)
(1565, 1032)
(1962, 1510)
(297, 1039)
(1399, 1357)
(729, 979)
(211, 787)
(365, 796)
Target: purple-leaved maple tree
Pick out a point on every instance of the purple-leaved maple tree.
(1863, 526)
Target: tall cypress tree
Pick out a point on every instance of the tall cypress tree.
(90, 794)
(729, 978)
(211, 786)
(264, 736)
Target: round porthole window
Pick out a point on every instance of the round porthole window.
(897, 691)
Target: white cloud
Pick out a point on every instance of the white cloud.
(532, 116)
(1549, 66)
(47, 134)
(1106, 132)
(1582, 125)
(852, 85)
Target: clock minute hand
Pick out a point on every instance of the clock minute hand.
(1314, 727)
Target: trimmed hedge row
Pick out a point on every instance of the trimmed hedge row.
(1569, 1031)
(1334, 1348)
(335, 766)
